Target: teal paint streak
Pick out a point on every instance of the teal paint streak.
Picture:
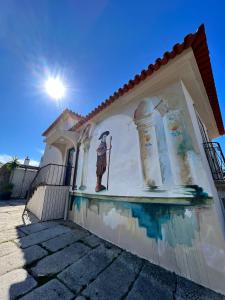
(198, 194)
(154, 218)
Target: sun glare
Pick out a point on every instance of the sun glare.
(55, 88)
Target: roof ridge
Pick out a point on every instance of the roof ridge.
(74, 113)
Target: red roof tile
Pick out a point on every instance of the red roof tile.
(199, 46)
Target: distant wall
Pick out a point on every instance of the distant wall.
(4, 175)
(21, 179)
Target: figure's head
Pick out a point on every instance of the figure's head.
(103, 136)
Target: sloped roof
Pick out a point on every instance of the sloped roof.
(197, 41)
(64, 114)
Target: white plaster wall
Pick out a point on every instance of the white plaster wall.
(203, 259)
(48, 202)
(191, 244)
(55, 202)
(51, 156)
(67, 124)
(124, 170)
(205, 175)
(36, 202)
(178, 98)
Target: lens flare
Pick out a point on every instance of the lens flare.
(55, 88)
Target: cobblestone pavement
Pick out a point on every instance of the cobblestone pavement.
(60, 260)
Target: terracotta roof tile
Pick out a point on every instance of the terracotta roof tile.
(199, 45)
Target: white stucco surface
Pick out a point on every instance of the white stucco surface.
(190, 240)
(48, 202)
(157, 152)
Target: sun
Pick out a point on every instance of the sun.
(55, 88)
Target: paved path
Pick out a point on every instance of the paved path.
(60, 260)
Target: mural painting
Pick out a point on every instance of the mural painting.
(149, 192)
(153, 218)
(101, 164)
(155, 143)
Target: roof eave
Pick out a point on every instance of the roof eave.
(201, 53)
(198, 43)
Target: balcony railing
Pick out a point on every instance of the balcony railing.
(216, 160)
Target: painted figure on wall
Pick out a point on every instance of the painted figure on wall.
(102, 161)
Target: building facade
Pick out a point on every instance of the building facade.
(141, 170)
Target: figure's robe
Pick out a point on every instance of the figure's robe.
(101, 159)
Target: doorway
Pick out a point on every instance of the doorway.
(69, 166)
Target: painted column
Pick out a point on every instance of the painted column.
(164, 161)
(179, 145)
(148, 144)
(85, 146)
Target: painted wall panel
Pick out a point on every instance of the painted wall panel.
(51, 156)
(183, 239)
(156, 152)
(153, 150)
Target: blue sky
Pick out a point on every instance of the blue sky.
(97, 45)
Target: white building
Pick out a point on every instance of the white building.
(141, 169)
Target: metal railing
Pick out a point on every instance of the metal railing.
(52, 175)
(216, 160)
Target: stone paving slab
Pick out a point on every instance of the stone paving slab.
(4, 216)
(154, 281)
(19, 203)
(188, 290)
(92, 241)
(7, 248)
(20, 258)
(32, 228)
(7, 209)
(53, 290)
(71, 224)
(58, 261)
(64, 240)
(16, 283)
(11, 234)
(87, 268)
(6, 225)
(12, 216)
(15, 213)
(114, 282)
(10, 223)
(42, 236)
